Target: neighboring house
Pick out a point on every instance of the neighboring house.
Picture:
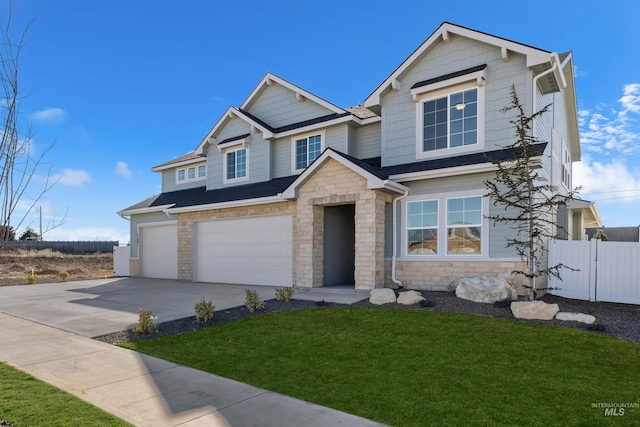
(616, 234)
(289, 189)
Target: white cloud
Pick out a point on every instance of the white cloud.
(612, 130)
(122, 169)
(606, 181)
(72, 177)
(49, 115)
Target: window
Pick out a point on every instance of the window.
(450, 121)
(464, 225)
(422, 227)
(236, 164)
(306, 150)
(566, 166)
(445, 227)
(191, 173)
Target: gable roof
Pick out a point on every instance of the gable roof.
(534, 57)
(359, 115)
(270, 79)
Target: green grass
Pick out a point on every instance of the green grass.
(417, 368)
(26, 401)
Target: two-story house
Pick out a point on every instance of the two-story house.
(290, 190)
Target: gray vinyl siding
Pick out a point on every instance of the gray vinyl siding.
(368, 141)
(353, 140)
(170, 179)
(137, 220)
(336, 137)
(277, 106)
(258, 154)
(399, 109)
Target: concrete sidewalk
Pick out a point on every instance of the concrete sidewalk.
(151, 392)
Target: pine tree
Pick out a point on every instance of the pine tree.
(529, 201)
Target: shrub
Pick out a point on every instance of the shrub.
(452, 285)
(204, 310)
(427, 303)
(63, 276)
(146, 324)
(32, 278)
(284, 294)
(252, 301)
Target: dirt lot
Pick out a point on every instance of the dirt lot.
(16, 266)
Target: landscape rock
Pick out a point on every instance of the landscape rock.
(410, 298)
(534, 310)
(382, 296)
(576, 317)
(485, 289)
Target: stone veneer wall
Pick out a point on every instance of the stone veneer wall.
(133, 267)
(334, 184)
(436, 275)
(187, 220)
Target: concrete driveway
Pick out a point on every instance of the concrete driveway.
(96, 307)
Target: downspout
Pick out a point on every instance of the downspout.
(394, 279)
(532, 293)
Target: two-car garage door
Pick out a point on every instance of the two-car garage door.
(252, 251)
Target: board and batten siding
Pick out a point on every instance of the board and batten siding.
(142, 219)
(277, 106)
(399, 109)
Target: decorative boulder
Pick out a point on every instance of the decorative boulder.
(410, 298)
(575, 317)
(382, 296)
(485, 289)
(534, 310)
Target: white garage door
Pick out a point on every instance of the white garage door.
(159, 251)
(252, 251)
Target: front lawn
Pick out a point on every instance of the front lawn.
(417, 368)
(26, 401)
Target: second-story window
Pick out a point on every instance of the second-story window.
(450, 121)
(191, 173)
(306, 150)
(236, 164)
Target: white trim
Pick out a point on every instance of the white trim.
(269, 79)
(448, 152)
(478, 76)
(445, 172)
(225, 205)
(442, 227)
(241, 141)
(235, 149)
(231, 113)
(145, 210)
(445, 31)
(299, 137)
(373, 182)
(177, 164)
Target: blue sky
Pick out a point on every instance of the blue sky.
(121, 86)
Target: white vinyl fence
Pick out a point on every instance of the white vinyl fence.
(608, 271)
